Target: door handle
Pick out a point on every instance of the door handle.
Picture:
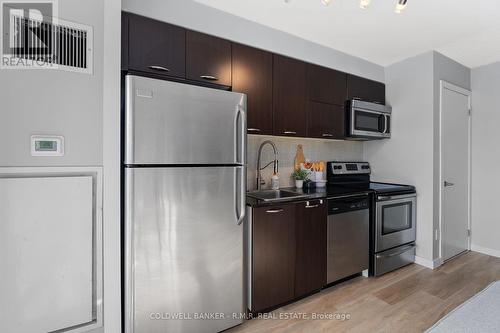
(209, 77)
(241, 120)
(448, 184)
(327, 135)
(159, 68)
(240, 195)
(274, 211)
(290, 132)
(308, 204)
(385, 124)
(254, 130)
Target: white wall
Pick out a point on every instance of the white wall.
(195, 16)
(314, 149)
(407, 157)
(56, 102)
(485, 158)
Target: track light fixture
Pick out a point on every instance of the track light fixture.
(400, 4)
(363, 4)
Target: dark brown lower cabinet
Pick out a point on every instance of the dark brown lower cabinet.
(310, 262)
(273, 256)
(288, 252)
(326, 121)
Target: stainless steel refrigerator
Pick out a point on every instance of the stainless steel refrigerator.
(185, 184)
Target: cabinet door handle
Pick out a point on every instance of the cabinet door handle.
(253, 129)
(327, 135)
(290, 132)
(274, 211)
(159, 68)
(209, 77)
(313, 206)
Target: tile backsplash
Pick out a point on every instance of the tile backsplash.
(314, 149)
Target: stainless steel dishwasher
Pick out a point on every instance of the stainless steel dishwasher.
(348, 236)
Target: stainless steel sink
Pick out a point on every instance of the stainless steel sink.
(275, 195)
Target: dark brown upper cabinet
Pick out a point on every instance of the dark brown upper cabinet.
(325, 121)
(208, 59)
(156, 47)
(326, 85)
(124, 41)
(253, 75)
(364, 89)
(289, 97)
(311, 246)
(273, 256)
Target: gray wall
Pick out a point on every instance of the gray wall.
(407, 157)
(485, 158)
(195, 16)
(72, 104)
(55, 102)
(412, 154)
(451, 71)
(111, 163)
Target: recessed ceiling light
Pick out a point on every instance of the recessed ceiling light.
(364, 4)
(400, 6)
(326, 2)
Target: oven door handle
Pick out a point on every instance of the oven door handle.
(395, 197)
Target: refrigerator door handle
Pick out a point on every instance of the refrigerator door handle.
(241, 127)
(240, 194)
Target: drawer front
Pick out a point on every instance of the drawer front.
(393, 259)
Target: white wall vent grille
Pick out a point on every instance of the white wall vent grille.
(50, 44)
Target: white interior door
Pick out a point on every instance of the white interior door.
(455, 165)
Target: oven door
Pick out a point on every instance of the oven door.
(395, 221)
(371, 124)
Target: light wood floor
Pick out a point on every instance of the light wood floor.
(408, 300)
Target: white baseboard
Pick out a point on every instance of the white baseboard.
(485, 250)
(432, 264)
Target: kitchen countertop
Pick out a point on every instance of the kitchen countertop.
(329, 192)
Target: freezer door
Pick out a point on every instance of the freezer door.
(174, 123)
(184, 249)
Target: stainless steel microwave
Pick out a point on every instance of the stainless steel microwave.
(368, 121)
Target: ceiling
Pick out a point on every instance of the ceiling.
(467, 31)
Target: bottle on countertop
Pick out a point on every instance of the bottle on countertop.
(299, 157)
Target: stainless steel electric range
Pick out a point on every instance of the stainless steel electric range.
(393, 214)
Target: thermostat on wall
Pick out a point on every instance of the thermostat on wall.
(47, 145)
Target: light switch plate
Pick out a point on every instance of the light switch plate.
(47, 145)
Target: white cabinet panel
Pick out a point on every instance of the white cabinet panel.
(46, 253)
